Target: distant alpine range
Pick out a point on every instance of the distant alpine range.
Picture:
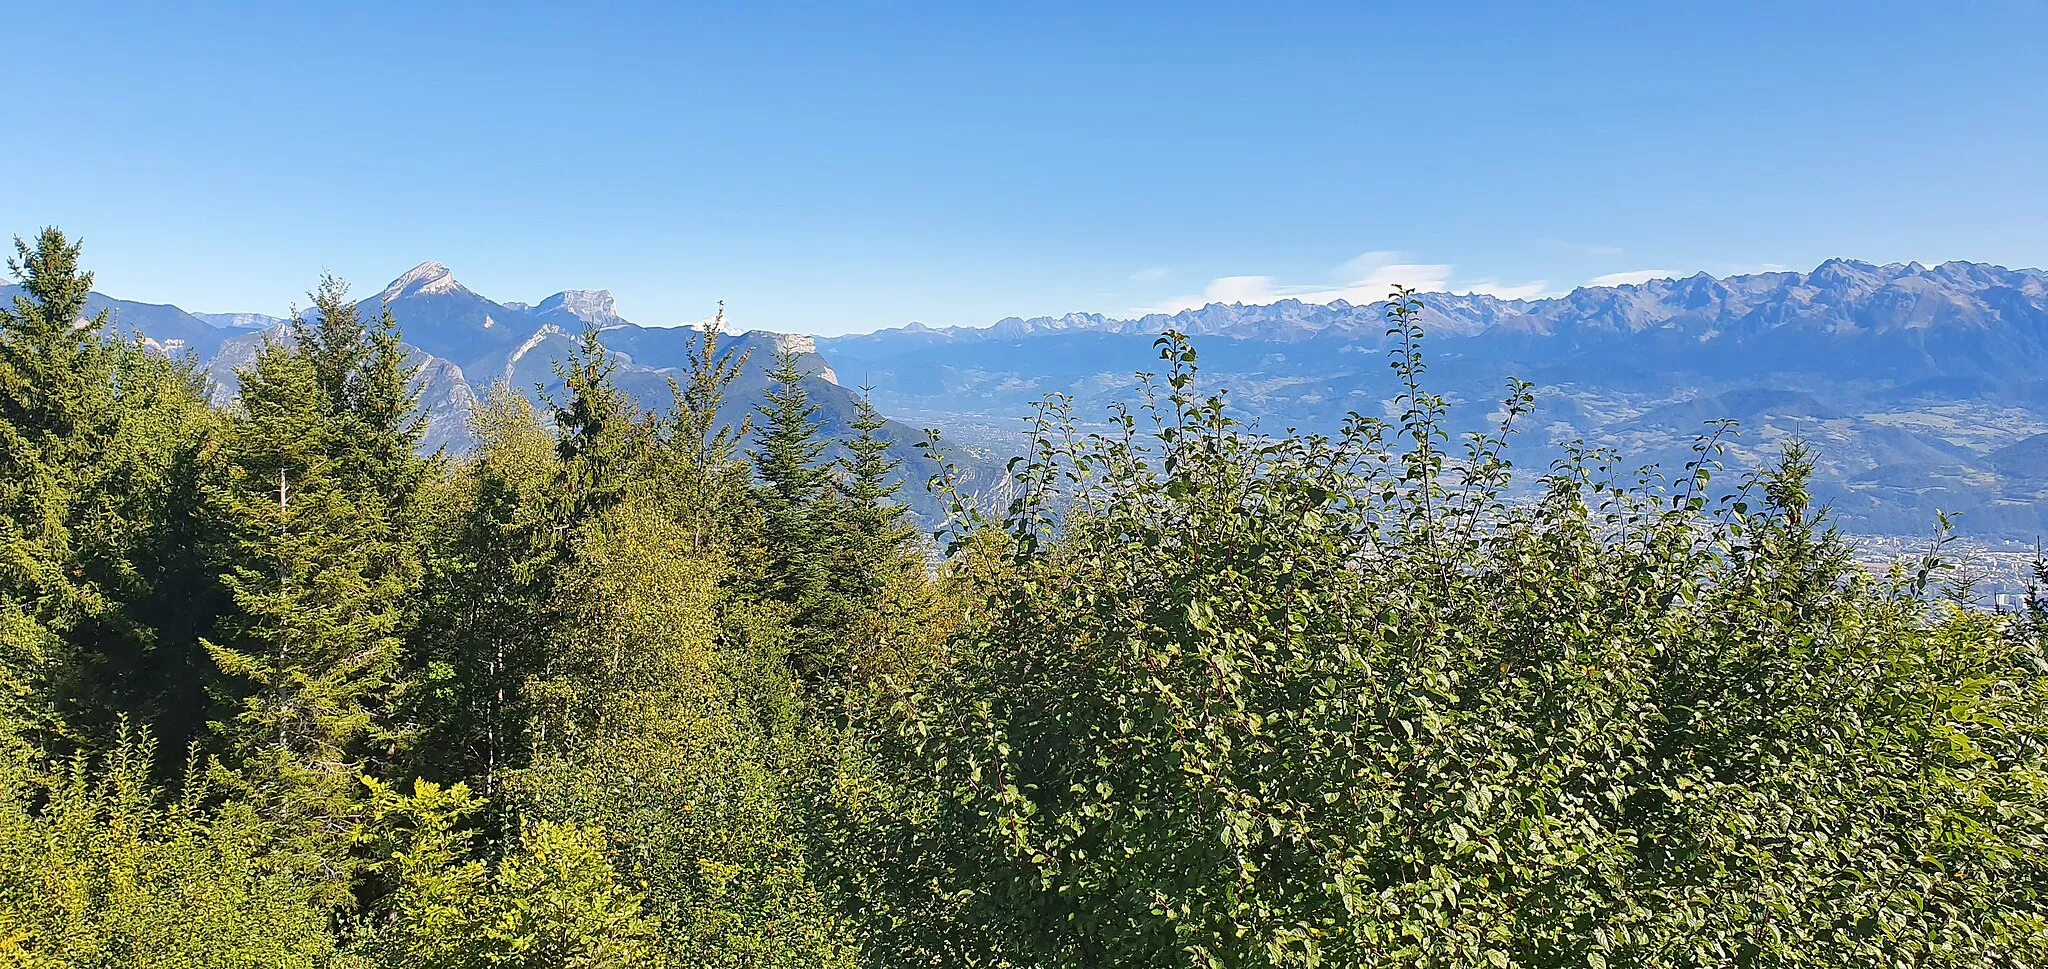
(1920, 388)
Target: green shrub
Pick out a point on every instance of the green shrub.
(1243, 700)
(97, 869)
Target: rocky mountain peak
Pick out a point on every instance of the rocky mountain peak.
(801, 345)
(589, 305)
(426, 278)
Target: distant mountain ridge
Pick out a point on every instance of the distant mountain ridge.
(240, 321)
(1916, 383)
(465, 341)
(519, 343)
(1837, 291)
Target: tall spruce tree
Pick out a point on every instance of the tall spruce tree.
(876, 529)
(388, 401)
(381, 461)
(601, 434)
(694, 430)
(313, 633)
(793, 490)
(702, 479)
(876, 609)
(367, 378)
(334, 340)
(53, 383)
(51, 355)
(321, 562)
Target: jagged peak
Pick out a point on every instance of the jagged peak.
(588, 305)
(426, 278)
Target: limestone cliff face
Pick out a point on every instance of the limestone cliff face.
(802, 346)
(577, 307)
(449, 403)
(446, 397)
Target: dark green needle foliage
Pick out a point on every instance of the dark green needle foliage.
(797, 509)
(103, 456)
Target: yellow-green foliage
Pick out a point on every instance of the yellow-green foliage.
(551, 900)
(673, 727)
(99, 869)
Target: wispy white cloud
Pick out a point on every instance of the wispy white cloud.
(1633, 277)
(1368, 277)
(1151, 274)
(1240, 289)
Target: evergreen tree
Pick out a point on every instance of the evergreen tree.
(387, 402)
(380, 462)
(314, 628)
(366, 377)
(792, 493)
(371, 390)
(101, 445)
(792, 481)
(335, 343)
(882, 613)
(360, 453)
(51, 357)
(876, 527)
(702, 479)
(53, 398)
(694, 430)
(601, 434)
(148, 546)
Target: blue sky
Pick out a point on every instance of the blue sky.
(838, 168)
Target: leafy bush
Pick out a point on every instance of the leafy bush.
(97, 869)
(1249, 700)
(550, 902)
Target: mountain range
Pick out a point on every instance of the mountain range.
(1921, 388)
(464, 342)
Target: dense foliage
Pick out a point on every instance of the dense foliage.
(642, 689)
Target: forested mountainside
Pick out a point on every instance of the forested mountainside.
(617, 689)
(463, 343)
(1921, 389)
(468, 342)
